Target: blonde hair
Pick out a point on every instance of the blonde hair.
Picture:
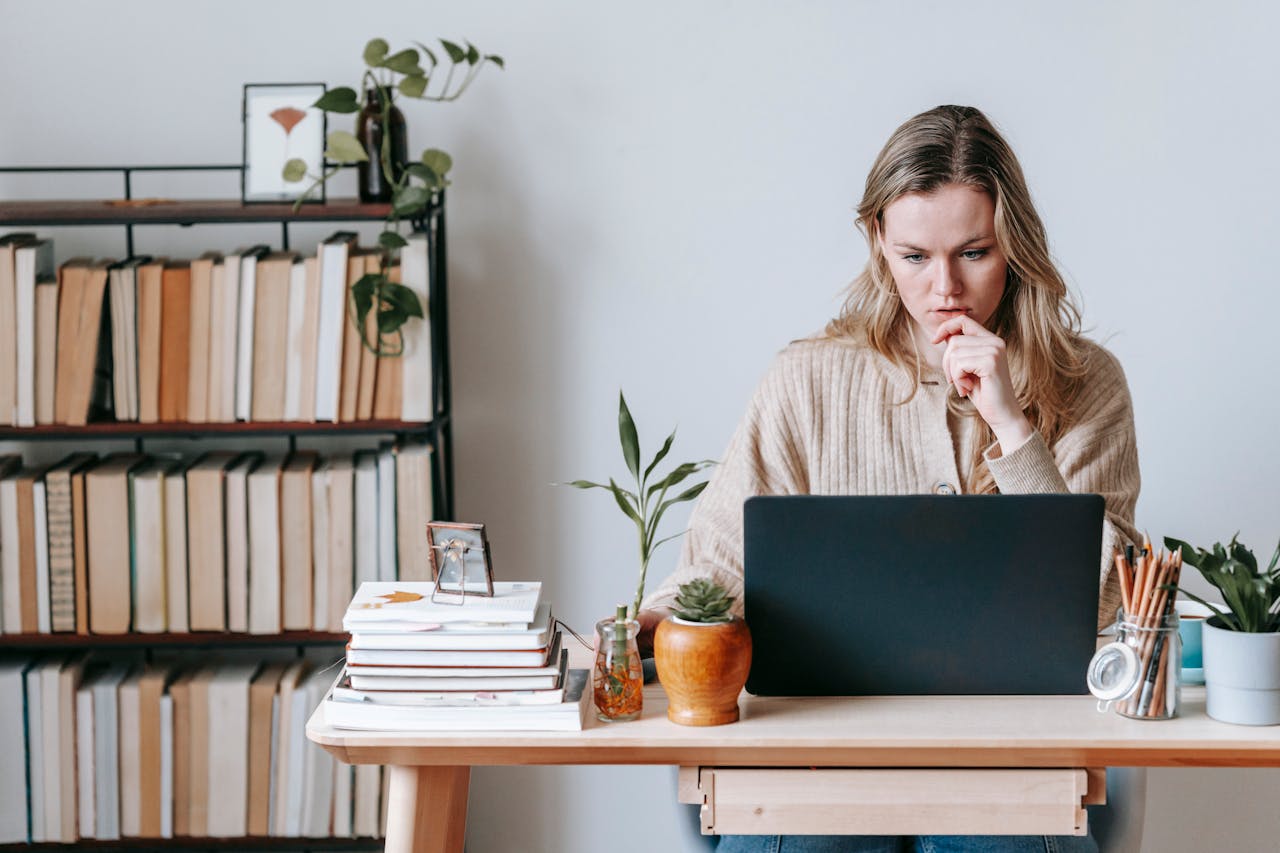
(1036, 317)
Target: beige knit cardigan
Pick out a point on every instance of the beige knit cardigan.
(827, 419)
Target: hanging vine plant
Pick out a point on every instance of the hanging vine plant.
(411, 73)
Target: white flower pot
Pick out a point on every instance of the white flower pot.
(1241, 676)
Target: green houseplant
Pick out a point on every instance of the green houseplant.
(424, 76)
(1241, 643)
(703, 654)
(646, 505)
(617, 676)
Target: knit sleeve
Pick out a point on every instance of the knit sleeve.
(764, 457)
(1098, 454)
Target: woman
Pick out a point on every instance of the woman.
(956, 365)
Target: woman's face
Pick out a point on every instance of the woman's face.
(941, 249)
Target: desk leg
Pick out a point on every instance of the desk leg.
(427, 809)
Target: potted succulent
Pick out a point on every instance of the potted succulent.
(617, 673)
(703, 655)
(1241, 643)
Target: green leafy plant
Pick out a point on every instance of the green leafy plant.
(413, 185)
(1251, 596)
(649, 502)
(703, 600)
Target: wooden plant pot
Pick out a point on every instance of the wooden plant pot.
(702, 668)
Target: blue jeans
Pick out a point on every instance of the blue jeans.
(909, 844)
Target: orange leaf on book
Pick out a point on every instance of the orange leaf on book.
(398, 596)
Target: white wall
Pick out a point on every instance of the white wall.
(658, 197)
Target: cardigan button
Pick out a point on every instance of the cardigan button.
(941, 488)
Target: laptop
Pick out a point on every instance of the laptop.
(921, 594)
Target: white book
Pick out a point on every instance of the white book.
(227, 350)
(86, 756)
(13, 746)
(568, 715)
(408, 603)
(275, 763)
(464, 672)
(296, 761)
(61, 762)
(150, 608)
(130, 763)
(35, 751)
(43, 622)
(218, 326)
(343, 792)
(10, 600)
(56, 713)
(264, 546)
(106, 746)
(123, 288)
(388, 566)
(462, 635)
(236, 502)
(310, 332)
(229, 750)
(417, 376)
(320, 548)
(294, 324)
(32, 262)
(366, 517)
(333, 319)
(340, 546)
(476, 690)
(286, 766)
(246, 302)
(482, 684)
(175, 548)
(368, 800)
(166, 766)
(317, 807)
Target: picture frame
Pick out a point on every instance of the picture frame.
(280, 123)
(461, 563)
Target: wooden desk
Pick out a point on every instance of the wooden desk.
(1067, 735)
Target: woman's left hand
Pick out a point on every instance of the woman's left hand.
(976, 364)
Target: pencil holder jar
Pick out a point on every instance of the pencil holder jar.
(1141, 671)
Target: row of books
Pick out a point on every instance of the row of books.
(115, 749)
(419, 659)
(254, 335)
(229, 541)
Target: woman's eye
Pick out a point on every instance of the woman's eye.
(973, 254)
(916, 258)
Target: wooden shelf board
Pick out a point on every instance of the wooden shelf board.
(206, 638)
(131, 429)
(181, 212)
(248, 843)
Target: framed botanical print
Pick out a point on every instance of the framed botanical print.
(280, 124)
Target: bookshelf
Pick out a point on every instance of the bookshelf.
(127, 213)
(262, 844)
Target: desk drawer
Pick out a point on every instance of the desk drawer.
(832, 801)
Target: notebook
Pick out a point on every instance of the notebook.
(921, 594)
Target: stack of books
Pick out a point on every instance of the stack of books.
(459, 663)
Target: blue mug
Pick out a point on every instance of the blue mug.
(1191, 616)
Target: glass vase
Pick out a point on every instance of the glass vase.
(617, 680)
(374, 185)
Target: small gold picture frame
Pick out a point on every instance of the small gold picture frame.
(460, 561)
